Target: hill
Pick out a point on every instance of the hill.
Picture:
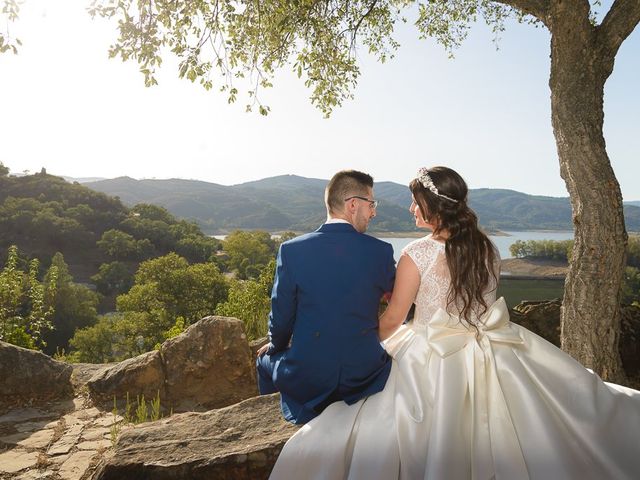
(290, 202)
(43, 214)
(287, 202)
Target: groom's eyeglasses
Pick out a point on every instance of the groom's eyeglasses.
(372, 203)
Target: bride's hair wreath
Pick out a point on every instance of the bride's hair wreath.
(441, 193)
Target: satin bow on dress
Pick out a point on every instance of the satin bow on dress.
(492, 429)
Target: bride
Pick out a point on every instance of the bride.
(470, 395)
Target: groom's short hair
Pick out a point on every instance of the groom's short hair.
(343, 185)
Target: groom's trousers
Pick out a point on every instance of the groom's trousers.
(265, 366)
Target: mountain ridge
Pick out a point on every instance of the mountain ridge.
(293, 202)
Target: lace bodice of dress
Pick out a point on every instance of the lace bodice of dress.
(429, 256)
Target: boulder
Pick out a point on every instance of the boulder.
(141, 375)
(29, 374)
(237, 442)
(541, 317)
(210, 365)
(630, 342)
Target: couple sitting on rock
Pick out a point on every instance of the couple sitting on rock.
(459, 392)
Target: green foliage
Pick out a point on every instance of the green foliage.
(117, 244)
(4, 171)
(168, 294)
(95, 344)
(561, 250)
(141, 410)
(633, 251)
(9, 13)
(74, 305)
(516, 290)
(113, 278)
(549, 249)
(163, 233)
(284, 236)
(197, 248)
(147, 211)
(242, 39)
(43, 214)
(116, 425)
(250, 301)
(248, 252)
(26, 305)
(143, 413)
(176, 329)
(170, 284)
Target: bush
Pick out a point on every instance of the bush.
(26, 304)
(250, 301)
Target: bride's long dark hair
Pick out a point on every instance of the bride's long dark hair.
(469, 252)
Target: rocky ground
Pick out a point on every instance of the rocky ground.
(59, 439)
(56, 421)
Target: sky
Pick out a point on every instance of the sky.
(486, 113)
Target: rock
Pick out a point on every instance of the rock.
(38, 375)
(67, 441)
(35, 426)
(541, 317)
(630, 341)
(83, 372)
(76, 465)
(141, 375)
(29, 440)
(237, 442)
(25, 414)
(209, 366)
(255, 345)
(38, 475)
(13, 461)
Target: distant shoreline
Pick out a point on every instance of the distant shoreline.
(533, 268)
(377, 234)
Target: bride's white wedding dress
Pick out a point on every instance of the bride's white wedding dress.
(502, 404)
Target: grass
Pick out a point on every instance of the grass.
(135, 413)
(516, 290)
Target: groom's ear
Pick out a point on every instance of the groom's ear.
(350, 206)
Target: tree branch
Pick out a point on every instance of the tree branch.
(620, 21)
(535, 8)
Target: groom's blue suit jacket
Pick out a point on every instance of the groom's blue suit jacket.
(323, 324)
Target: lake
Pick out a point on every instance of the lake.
(503, 242)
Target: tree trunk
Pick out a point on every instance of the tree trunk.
(591, 306)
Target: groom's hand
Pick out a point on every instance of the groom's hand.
(263, 349)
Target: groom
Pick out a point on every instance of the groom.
(324, 307)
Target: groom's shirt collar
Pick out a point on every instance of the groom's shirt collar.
(336, 220)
